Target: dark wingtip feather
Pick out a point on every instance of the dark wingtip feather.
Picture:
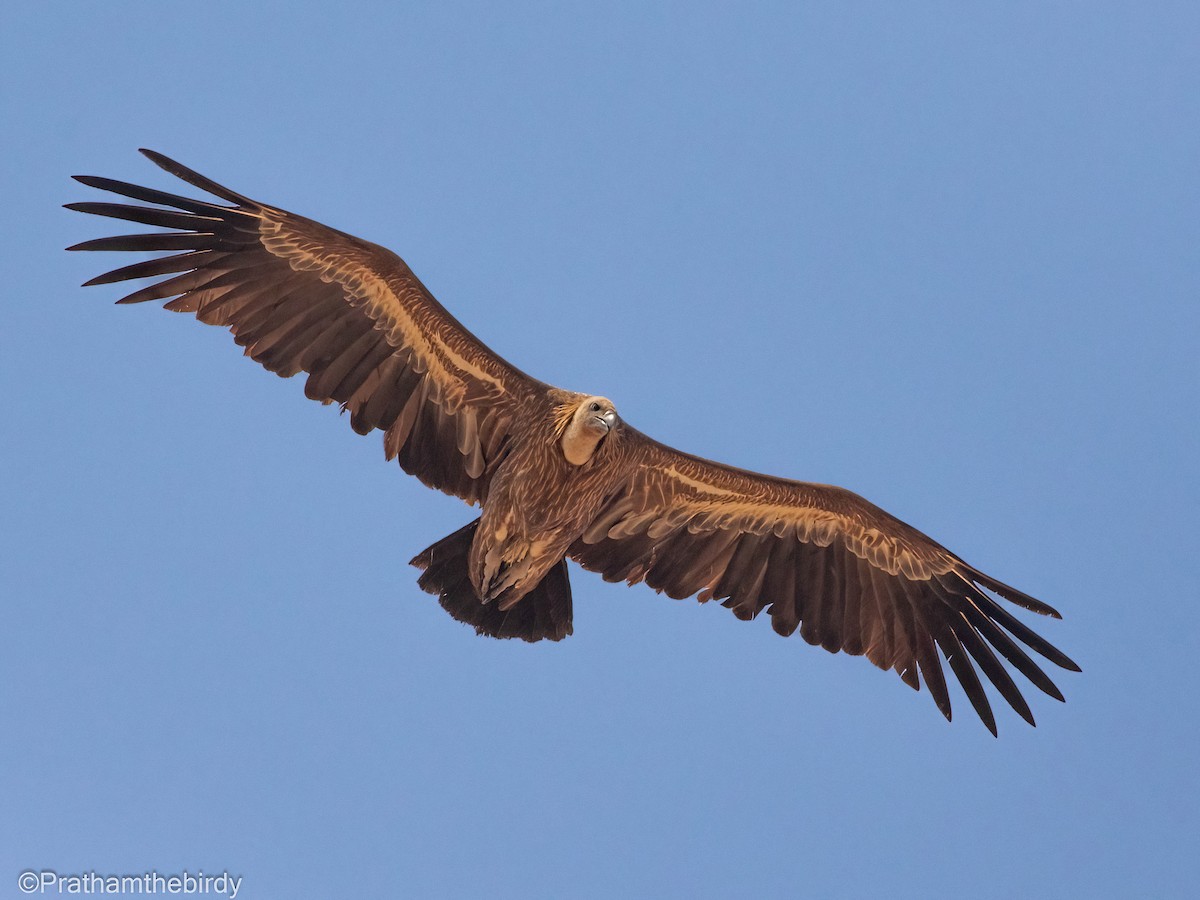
(935, 681)
(1000, 639)
(194, 178)
(1050, 689)
(992, 668)
(95, 181)
(162, 265)
(960, 663)
(152, 195)
(944, 710)
(1011, 594)
(159, 159)
(993, 610)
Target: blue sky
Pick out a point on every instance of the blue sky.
(943, 256)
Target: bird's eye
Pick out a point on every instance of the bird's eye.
(595, 407)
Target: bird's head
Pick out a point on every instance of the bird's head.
(591, 421)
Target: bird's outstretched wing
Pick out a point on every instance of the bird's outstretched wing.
(849, 575)
(300, 296)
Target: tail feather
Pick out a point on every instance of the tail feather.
(545, 612)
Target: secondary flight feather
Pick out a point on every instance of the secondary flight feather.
(560, 475)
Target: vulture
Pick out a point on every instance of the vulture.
(559, 475)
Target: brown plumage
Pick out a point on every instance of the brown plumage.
(558, 474)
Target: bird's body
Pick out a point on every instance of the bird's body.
(540, 498)
(559, 475)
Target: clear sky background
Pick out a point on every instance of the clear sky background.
(944, 255)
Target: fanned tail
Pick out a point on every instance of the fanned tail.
(543, 613)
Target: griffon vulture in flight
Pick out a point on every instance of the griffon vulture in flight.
(559, 475)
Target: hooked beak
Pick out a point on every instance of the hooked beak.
(606, 421)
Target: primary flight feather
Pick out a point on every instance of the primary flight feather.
(558, 474)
